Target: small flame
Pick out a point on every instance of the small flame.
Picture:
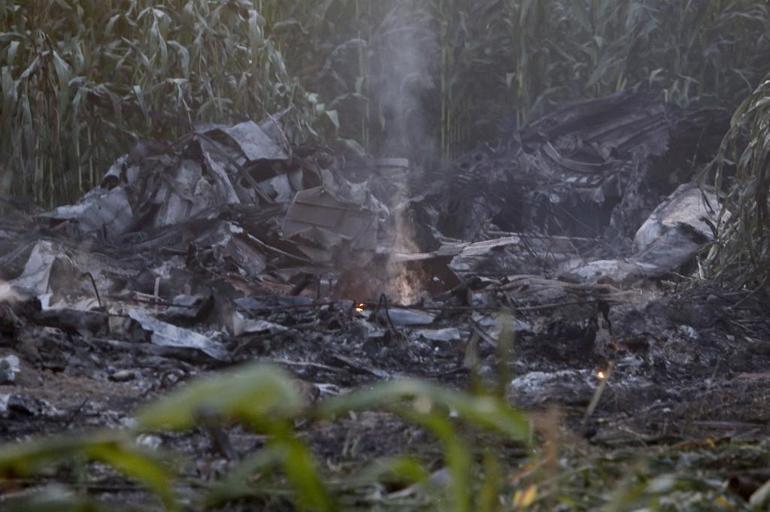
(403, 284)
(601, 375)
(360, 308)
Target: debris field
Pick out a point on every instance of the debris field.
(577, 238)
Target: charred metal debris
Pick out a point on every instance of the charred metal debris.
(229, 245)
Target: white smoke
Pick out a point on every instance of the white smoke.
(405, 46)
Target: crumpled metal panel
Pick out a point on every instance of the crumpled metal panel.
(318, 216)
(254, 142)
(101, 211)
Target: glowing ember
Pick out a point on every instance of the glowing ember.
(601, 375)
(360, 308)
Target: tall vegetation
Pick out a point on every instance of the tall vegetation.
(741, 253)
(82, 79)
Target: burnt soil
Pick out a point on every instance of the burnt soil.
(691, 374)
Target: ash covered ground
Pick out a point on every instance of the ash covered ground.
(577, 239)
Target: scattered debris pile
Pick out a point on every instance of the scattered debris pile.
(229, 245)
(593, 169)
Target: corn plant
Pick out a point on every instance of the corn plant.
(83, 79)
(741, 254)
(266, 400)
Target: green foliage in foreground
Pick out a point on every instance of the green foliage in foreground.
(266, 401)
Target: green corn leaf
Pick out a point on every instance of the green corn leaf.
(260, 394)
(486, 412)
(110, 448)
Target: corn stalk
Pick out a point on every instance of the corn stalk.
(82, 79)
(741, 254)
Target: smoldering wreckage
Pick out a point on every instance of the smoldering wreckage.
(229, 246)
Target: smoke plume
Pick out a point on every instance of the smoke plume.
(405, 44)
(404, 48)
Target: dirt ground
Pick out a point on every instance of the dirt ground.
(690, 374)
